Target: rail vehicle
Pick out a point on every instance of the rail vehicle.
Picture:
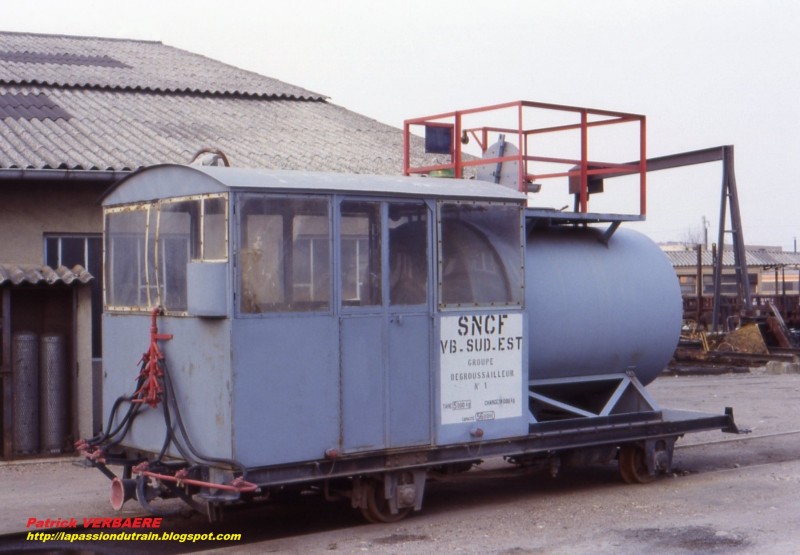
(361, 335)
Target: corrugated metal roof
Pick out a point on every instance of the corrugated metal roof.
(17, 274)
(92, 62)
(121, 119)
(755, 258)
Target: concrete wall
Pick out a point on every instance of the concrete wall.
(28, 210)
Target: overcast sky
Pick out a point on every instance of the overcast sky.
(705, 73)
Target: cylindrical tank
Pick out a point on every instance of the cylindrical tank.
(597, 308)
(53, 390)
(25, 365)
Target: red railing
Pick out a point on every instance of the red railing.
(580, 171)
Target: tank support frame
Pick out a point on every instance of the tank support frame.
(600, 395)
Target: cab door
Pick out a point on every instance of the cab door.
(385, 320)
(409, 324)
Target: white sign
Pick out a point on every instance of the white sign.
(481, 367)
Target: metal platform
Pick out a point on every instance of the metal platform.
(550, 216)
(544, 438)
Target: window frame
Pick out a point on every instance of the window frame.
(239, 210)
(428, 210)
(443, 306)
(144, 274)
(382, 293)
(97, 282)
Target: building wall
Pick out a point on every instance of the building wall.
(786, 279)
(30, 209)
(762, 281)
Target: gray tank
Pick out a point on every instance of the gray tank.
(599, 309)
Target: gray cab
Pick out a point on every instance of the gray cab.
(318, 314)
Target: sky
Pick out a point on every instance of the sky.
(706, 73)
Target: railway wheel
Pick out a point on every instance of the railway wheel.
(633, 464)
(377, 509)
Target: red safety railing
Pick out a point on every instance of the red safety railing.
(533, 164)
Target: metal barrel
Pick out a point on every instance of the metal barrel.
(25, 365)
(53, 392)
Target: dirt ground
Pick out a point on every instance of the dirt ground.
(729, 496)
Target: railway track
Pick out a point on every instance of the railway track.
(306, 516)
(741, 438)
(737, 452)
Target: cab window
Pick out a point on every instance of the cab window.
(149, 245)
(480, 257)
(284, 259)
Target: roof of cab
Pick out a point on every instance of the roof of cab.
(172, 180)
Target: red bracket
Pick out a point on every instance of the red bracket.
(238, 485)
(94, 454)
(151, 390)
